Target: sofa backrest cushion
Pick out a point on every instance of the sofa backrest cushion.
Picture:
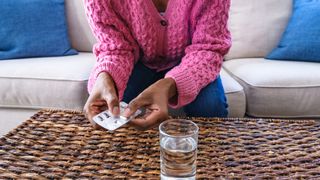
(80, 33)
(256, 26)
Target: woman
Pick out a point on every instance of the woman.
(157, 53)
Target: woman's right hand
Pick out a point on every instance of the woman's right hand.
(103, 96)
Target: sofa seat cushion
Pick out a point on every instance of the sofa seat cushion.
(278, 88)
(61, 82)
(58, 82)
(235, 95)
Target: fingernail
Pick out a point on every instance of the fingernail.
(115, 110)
(126, 112)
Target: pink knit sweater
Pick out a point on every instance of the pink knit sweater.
(191, 36)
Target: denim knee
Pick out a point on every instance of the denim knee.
(210, 102)
(215, 108)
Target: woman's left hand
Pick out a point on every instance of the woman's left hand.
(155, 100)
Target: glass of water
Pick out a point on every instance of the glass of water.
(178, 148)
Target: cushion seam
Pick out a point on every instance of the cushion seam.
(31, 107)
(44, 79)
(260, 86)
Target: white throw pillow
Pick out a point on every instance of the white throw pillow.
(256, 26)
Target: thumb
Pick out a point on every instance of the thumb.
(133, 106)
(113, 104)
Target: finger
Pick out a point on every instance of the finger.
(98, 105)
(90, 108)
(98, 110)
(133, 106)
(93, 108)
(89, 114)
(109, 94)
(113, 105)
(98, 102)
(150, 121)
(94, 97)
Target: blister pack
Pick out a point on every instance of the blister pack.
(110, 122)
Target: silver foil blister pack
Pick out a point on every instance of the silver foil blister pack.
(110, 122)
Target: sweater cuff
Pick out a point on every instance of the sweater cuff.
(186, 87)
(119, 76)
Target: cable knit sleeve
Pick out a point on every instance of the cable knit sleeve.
(116, 50)
(203, 58)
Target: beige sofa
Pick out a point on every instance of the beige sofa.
(253, 85)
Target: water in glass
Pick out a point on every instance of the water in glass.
(178, 152)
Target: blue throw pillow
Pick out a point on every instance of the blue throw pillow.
(33, 28)
(301, 39)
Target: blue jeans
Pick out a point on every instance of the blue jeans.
(210, 102)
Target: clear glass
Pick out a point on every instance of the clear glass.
(178, 149)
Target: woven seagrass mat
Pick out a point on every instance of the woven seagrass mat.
(62, 144)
